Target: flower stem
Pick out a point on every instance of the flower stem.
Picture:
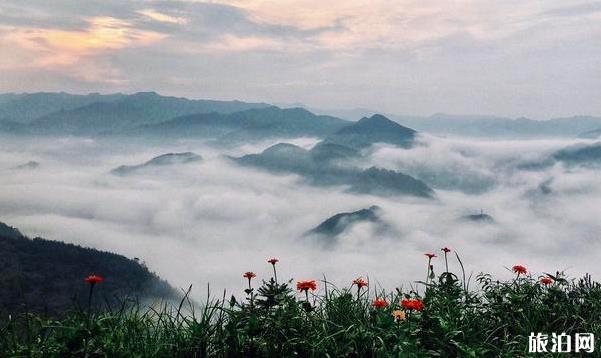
(446, 262)
(90, 301)
(275, 274)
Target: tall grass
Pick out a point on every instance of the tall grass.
(273, 320)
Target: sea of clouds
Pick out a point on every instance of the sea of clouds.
(208, 222)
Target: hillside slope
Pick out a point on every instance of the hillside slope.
(40, 275)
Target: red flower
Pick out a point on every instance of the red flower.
(273, 261)
(249, 275)
(519, 269)
(546, 280)
(446, 250)
(412, 304)
(430, 256)
(360, 282)
(93, 279)
(406, 303)
(379, 303)
(306, 285)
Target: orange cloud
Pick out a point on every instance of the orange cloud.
(62, 47)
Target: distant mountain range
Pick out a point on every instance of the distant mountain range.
(150, 114)
(490, 126)
(57, 113)
(481, 125)
(48, 276)
(27, 107)
(160, 161)
(248, 125)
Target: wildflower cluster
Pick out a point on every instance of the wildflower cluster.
(442, 316)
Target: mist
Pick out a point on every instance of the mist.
(209, 222)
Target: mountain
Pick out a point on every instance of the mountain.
(127, 112)
(479, 218)
(92, 114)
(492, 126)
(385, 182)
(339, 223)
(47, 276)
(285, 157)
(332, 164)
(160, 161)
(248, 125)
(375, 129)
(588, 155)
(583, 154)
(324, 152)
(12, 127)
(281, 157)
(352, 114)
(593, 134)
(26, 107)
(29, 165)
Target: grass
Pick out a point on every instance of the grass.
(493, 319)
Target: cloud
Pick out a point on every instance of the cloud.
(61, 47)
(160, 17)
(209, 222)
(510, 58)
(237, 43)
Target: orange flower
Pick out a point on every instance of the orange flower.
(360, 282)
(398, 315)
(430, 256)
(93, 279)
(446, 250)
(273, 261)
(249, 275)
(379, 303)
(306, 285)
(519, 269)
(546, 280)
(412, 304)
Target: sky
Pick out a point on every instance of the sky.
(535, 58)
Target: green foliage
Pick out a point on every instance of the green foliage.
(45, 276)
(493, 320)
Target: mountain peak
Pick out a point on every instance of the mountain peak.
(376, 117)
(146, 94)
(374, 129)
(337, 224)
(379, 122)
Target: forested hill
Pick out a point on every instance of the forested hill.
(39, 275)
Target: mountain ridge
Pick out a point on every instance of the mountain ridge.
(159, 161)
(339, 223)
